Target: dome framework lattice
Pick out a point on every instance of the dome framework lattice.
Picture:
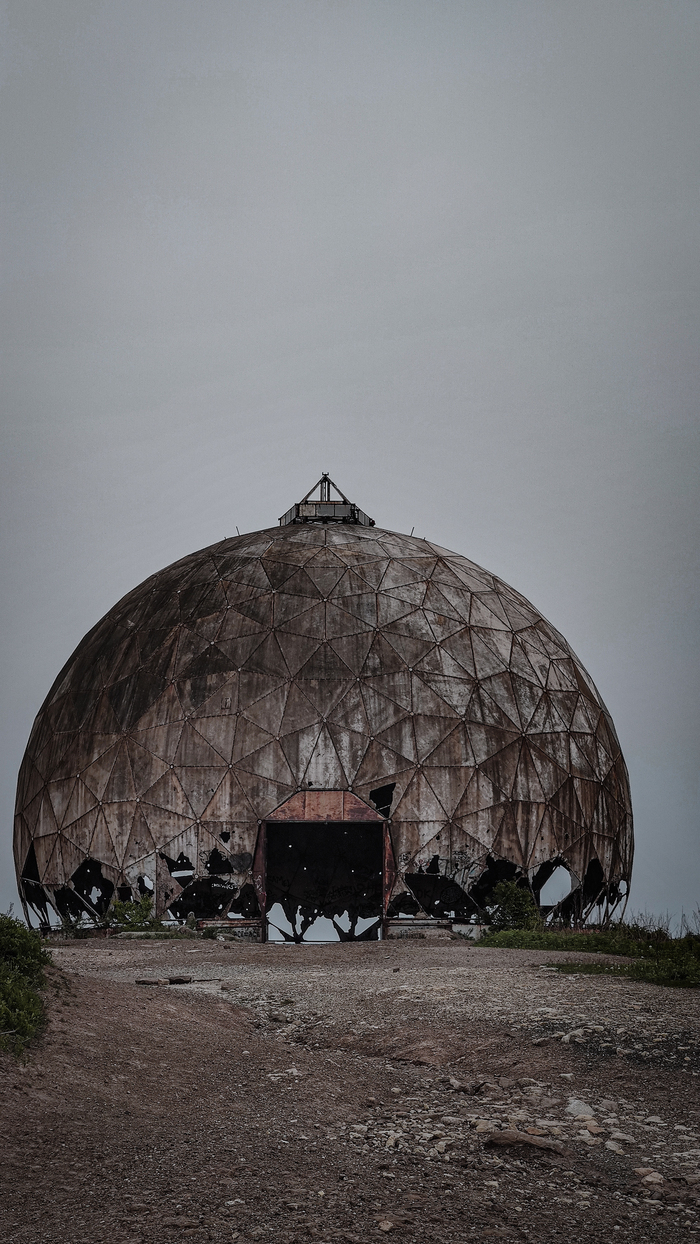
(321, 656)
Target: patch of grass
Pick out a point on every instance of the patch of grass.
(612, 942)
(22, 963)
(681, 974)
(659, 958)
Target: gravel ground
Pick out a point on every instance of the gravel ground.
(431, 1089)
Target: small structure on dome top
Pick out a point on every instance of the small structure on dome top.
(324, 508)
(323, 729)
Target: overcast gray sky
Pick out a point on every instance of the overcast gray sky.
(448, 252)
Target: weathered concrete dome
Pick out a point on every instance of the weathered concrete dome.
(321, 656)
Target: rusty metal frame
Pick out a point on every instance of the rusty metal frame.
(317, 806)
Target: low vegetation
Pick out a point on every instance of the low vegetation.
(22, 963)
(130, 916)
(136, 915)
(658, 957)
(513, 907)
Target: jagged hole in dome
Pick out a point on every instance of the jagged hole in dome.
(556, 888)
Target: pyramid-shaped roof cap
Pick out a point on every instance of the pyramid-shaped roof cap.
(324, 508)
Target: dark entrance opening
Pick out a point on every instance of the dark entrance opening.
(324, 881)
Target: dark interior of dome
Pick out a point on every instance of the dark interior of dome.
(438, 895)
(326, 870)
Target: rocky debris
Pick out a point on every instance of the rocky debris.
(655, 1041)
(393, 1094)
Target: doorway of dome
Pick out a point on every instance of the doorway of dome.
(321, 869)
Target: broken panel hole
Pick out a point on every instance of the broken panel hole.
(181, 869)
(124, 894)
(594, 883)
(556, 888)
(324, 881)
(245, 905)
(205, 898)
(383, 797)
(494, 871)
(218, 864)
(32, 889)
(92, 887)
(68, 904)
(145, 886)
(404, 904)
(440, 896)
(225, 835)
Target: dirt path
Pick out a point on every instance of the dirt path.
(349, 1092)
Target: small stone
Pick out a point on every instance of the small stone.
(579, 1109)
(613, 1146)
(576, 1035)
(512, 1137)
(179, 980)
(653, 1178)
(385, 1225)
(629, 1140)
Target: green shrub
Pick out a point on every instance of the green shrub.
(22, 950)
(513, 907)
(22, 963)
(136, 915)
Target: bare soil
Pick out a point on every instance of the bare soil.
(349, 1092)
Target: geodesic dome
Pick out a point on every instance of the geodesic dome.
(323, 655)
